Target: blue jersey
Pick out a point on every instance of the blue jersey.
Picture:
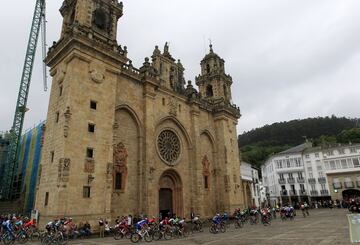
(216, 219)
(140, 224)
(7, 226)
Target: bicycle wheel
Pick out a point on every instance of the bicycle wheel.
(22, 238)
(157, 235)
(7, 239)
(135, 238)
(117, 235)
(35, 236)
(167, 235)
(148, 238)
(223, 228)
(128, 235)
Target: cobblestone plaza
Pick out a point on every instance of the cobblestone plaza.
(323, 226)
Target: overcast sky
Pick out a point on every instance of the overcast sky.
(289, 59)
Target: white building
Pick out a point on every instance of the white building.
(251, 184)
(284, 176)
(306, 173)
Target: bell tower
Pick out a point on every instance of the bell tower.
(213, 82)
(100, 17)
(77, 155)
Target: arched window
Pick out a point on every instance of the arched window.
(118, 180)
(208, 68)
(225, 91)
(209, 91)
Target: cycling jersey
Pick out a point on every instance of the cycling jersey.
(216, 219)
(8, 226)
(140, 224)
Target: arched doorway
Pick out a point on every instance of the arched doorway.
(170, 194)
(350, 193)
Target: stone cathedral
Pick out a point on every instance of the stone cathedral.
(121, 140)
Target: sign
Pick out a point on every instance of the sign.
(354, 226)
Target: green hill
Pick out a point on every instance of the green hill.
(256, 145)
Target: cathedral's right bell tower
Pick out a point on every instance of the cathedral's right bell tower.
(213, 82)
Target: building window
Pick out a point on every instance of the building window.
(344, 163)
(206, 182)
(89, 152)
(60, 90)
(209, 91)
(300, 175)
(281, 176)
(57, 117)
(91, 127)
(207, 68)
(93, 104)
(163, 101)
(52, 156)
(352, 150)
(291, 176)
(356, 162)
(316, 154)
(86, 192)
(323, 186)
(307, 156)
(46, 198)
(118, 181)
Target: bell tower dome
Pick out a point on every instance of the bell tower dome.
(213, 82)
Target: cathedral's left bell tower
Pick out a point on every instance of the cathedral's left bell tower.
(76, 163)
(100, 16)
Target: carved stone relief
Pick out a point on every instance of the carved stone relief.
(67, 116)
(173, 105)
(64, 169)
(89, 166)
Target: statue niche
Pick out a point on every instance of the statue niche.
(120, 167)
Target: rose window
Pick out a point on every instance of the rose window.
(169, 146)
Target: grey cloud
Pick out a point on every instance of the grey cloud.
(288, 59)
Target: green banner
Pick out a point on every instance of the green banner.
(354, 227)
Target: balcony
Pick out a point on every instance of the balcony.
(314, 193)
(312, 181)
(283, 193)
(322, 180)
(291, 180)
(300, 180)
(337, 185)
(324, 192)
(302, 193)
(282, 181)
(292, 192)
(349, 184)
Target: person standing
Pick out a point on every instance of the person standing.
(101, 228)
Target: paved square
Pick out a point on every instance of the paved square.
(323, 226)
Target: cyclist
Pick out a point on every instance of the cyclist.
(216, 221)
(141, 224)
(306, 208)
(8, 226)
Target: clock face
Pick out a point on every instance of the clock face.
(101, 19)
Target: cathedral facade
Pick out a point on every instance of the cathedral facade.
(121, 140)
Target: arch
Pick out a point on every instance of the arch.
(133, 115)
(170, 186)
(179, 125)
(209, 91)
(211, 138)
